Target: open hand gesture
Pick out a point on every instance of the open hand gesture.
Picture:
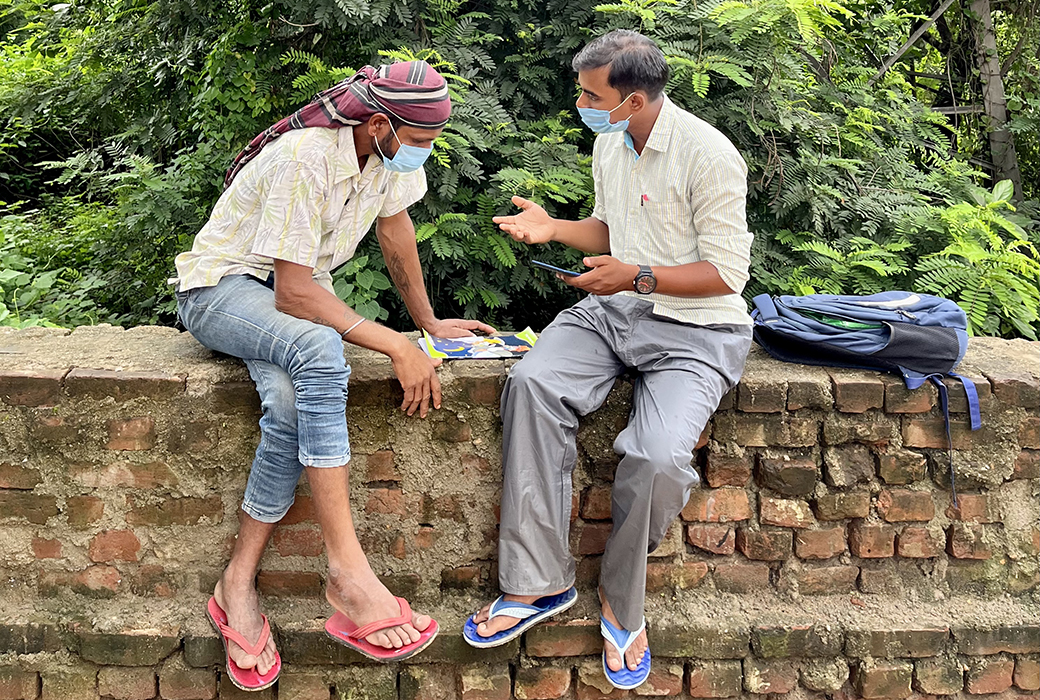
(533, 225)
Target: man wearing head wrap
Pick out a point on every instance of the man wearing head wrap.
(257, 285)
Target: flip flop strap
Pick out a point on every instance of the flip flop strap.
(247, 647)
(510, 608)
(403, 619)
(609, 631)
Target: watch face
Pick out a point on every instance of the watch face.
(646, 284)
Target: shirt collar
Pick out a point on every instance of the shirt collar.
(661, 133)
(344, 158)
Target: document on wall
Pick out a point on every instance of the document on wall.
(479, 347)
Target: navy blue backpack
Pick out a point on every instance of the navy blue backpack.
(918, 336)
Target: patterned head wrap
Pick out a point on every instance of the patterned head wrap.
(412, 91)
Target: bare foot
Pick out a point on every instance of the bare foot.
(364, 599)
(635, 652)
(239, 600)
(489, 628)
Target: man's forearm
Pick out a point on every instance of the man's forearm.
(316, 304)
(588, 235)
(397, 240)
(699, 279)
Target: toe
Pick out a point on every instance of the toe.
(421, 623)
(412, 635)
(379, 639)
(244, 661)
(394, 633)
(613, 660)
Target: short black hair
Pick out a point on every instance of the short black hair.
(636, 62)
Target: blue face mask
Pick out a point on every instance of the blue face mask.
(599, 119)
(407, 158)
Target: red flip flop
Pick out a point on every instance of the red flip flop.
(342, 629)
(244, 678)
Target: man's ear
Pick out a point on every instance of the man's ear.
(375, 124)
(638, 101)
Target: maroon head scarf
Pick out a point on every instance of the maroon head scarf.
(412, 91)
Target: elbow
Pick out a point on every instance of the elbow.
(289, 302)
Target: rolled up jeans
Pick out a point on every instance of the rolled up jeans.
(300, 374)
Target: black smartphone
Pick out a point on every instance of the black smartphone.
(547, 266)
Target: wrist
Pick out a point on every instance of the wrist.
(399, 347)
(554, 229)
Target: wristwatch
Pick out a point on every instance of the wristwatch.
(645, 282)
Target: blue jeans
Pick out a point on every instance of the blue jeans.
(300, 374)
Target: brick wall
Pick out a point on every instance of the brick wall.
(822, 557)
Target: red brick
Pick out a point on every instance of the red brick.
(666, 576)
(973, 508)
(46, 549)
(36, 508)
(872, 541)
(379, 466)
(1027, 465)
(663, 681)
(126, 683)
(989, 675)
(717, 505)
(33, 388)
(899, 399)
(904, 505)
(717, 539)
(1011, 639)
(741, 578)
(542, 683)
(289, 583)
(721, 470)
(299, 542)
(967, 541)
(131, 434)
(762, 430)
(451, 429)
(193, 436)
(100, 581)
(827, 580)
(820, 544)
(597, 503)
(785, 512)
(788, 476)
(16, 476)
(765, 545)
(931, 432)
(857, 394)
(114, 545)
(84, 511)
(484, 683)
(301, 511)
(16, 684)
(472, 462)
(1027, 673)
(761, 395)
(847, 466)
(940, 675)
(1015, 389)
(461, 577)
(883, 679)
(393, 502)
(124, 474)
(812, 392)
(1029, 433)
(481, 391)
(304, 686)
(593, 685)
(902, 467)
(57, 430)
(74, 682)
(843, 505)
(593, 539)
(716, 679)
(153, 580)
(917, 543)
(571, 638)
(120, 385)
(175, 511)
(241, 397)
(427, 682)
(762, 677)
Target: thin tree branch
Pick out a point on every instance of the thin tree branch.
(891, 61)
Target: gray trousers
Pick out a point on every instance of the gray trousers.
(684, 370)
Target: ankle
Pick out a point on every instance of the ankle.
(237, 579)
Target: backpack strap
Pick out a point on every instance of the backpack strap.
(974, 412)
(766, 307)
(944, 402)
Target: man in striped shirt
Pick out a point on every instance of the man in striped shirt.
(673, 248)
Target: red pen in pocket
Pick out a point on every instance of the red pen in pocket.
(643, 200)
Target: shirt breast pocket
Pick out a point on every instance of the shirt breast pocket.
(669, 231)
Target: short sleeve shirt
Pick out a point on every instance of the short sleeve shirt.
(304, 200)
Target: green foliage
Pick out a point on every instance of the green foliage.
(119, 117)
(989, 267)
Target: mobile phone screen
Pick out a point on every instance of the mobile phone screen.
(547, 266)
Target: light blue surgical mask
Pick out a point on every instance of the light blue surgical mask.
(407, 159)
(599, 119)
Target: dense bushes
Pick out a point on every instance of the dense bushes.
(119, 117)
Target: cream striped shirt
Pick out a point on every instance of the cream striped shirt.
(682, 201)
(302, 199)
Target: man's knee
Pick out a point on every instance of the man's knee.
(665, 458)
(279, 404)
(321, 353)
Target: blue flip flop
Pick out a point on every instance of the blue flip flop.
(529, 616)
(624, 678)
